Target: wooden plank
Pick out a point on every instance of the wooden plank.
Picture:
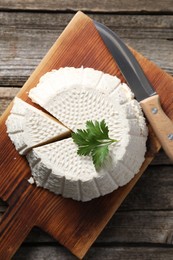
(126, 227)
(23, 33)
(15, 71)
(53, 252)
(6, 96)
(90, 218)
(139, 227)
(42, 252)
(89, 5)
(161, 159)
(51, 21)
(154, 190)
(121, 252)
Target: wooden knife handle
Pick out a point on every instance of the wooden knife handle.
(161, 124)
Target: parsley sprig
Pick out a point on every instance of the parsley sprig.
(94, 141)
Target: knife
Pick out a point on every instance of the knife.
(139, 84)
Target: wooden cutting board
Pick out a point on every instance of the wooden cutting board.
(74, 224)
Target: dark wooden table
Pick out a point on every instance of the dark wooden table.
(143, 226)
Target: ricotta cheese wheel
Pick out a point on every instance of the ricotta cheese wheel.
(28, 126)
(75, 96)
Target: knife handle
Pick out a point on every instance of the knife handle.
(161, 124)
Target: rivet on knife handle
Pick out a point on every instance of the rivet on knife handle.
(139, 84)
(161, 124)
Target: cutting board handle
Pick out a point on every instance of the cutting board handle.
(14, 228)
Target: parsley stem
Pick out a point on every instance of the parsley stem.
(107, 141)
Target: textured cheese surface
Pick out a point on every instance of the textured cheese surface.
(74, 96)
(57, 167)
(28, 126)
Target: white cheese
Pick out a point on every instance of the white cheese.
(31, 180)
(56, 81)
(74, 96)
(27, 126)
(57, 167)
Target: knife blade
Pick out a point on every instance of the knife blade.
(139, 84)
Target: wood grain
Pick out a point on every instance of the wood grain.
(122, 252)
(125, 227)
(77, 230)
(164, 130)
(152, 36)
(89, 5)
(152, 192)
(22, 33)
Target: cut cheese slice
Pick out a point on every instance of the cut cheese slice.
(87, 94)
(28, 127)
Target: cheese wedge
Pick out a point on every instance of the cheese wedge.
(28, 127)
(74, 96)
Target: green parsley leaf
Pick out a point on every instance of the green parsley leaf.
(94, 141)
(99, 155)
